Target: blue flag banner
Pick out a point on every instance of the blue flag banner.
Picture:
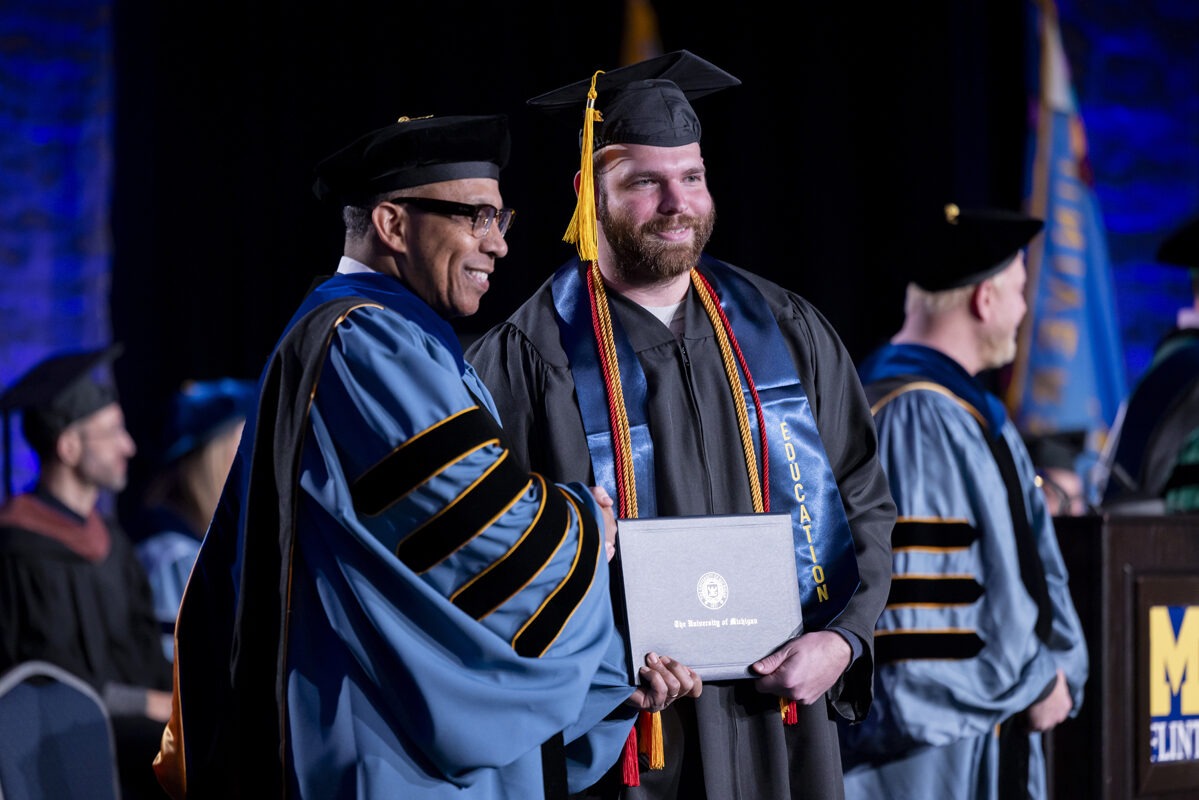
(1069, 369)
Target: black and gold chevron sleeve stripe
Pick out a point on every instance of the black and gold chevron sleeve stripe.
(933, 590)
(466, 516)
(421, 457)
(904, 645)
(917, 533)
(536, 635)
(492, 587)
(477, 507)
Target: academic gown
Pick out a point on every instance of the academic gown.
(72, 593)
(730, 742)
(382, 597)
(1163, 411)
(957, 646)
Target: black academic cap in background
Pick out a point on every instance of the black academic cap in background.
(54, 393)
(413, 152)
(955, 247)
(1182, 248)
(644, 103)
(61, 389)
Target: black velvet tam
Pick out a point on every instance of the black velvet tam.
(956, 247)
(413, 152)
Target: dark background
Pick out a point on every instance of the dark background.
(155, 158)
(844, 124)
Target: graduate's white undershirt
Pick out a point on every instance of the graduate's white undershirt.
(670, 316)
(348, 266)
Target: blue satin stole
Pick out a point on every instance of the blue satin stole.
(801, 480)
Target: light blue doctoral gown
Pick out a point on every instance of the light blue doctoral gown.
(931, 732)
(391, 689)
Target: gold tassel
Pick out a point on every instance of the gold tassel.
(582, 231)
(650, 741)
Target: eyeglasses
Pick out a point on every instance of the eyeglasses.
(481, 215)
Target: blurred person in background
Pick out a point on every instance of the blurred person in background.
(202, 434)
(980, 648)
(1153, 454)
(1055, 457)
(71, 589)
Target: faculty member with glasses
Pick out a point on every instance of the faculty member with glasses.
(385, 604)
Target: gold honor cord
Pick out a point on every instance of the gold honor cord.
(734, 379)
(626, 488)
(622, 441)
(649, 726)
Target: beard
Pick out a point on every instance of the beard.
(641, 257)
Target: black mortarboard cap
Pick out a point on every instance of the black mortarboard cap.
(61, 389)
(54, 393)
(644, 103)
(1182, 248)
(413, 152)
(201, 410)
(961, 247)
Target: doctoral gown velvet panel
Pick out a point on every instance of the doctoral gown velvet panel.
(931, 731)
(731, 741)
(391, 689)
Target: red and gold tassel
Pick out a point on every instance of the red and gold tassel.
(649, 732)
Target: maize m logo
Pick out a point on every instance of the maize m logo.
(1173, 683)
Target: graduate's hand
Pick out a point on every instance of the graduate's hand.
(664, 680)
(158, 705)
(605, 503)
(1054, 709)
(804, 668)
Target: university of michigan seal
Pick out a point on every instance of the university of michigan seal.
(713, 590)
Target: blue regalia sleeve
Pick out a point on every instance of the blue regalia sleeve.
(470, 599)
(956, 644)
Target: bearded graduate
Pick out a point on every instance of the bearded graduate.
(723, 377)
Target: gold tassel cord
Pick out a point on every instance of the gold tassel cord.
(734, 379)
(623, 444)
(650, 741)
(583, 231)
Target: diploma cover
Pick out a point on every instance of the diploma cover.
(716, 593)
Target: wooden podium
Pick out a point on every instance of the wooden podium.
(1135, 582)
